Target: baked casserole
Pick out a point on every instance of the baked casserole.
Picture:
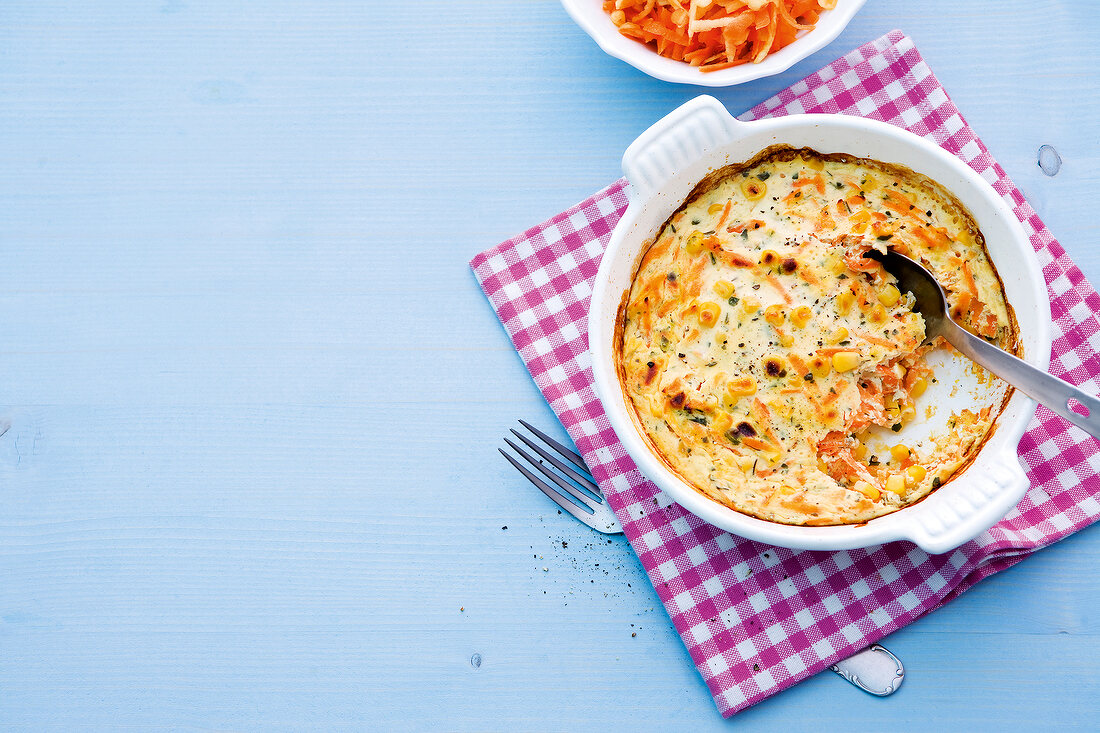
(763, 353)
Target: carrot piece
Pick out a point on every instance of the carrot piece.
(725, 214)
(816, 181)
(718, 36)
(773, 280)
(871, 339)
(755, 443)
(799, 365)
(968, 278)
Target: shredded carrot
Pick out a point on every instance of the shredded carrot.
(773, 280)
(755, 444)
(871, 339)
(799, 365)
(816, 181)
(716, 35)
(969, 278)
(725, 214)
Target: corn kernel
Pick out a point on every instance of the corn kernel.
(844, 302)
(694, 244)
(820, 366)
(876, 314)
(775, 366)
(786, 340)
(724, 288)
(839, 335)
(769, 258)
(917, 473)
(895, 483)
(754, 189)
(919, 385)
(889, 296)
(899, 452)
(774, 315)
(750, 305)
(908, 412)
(723, 422)
(741, 387)
(859, 452)
(746, 463)
(867, 490)
(846, 361)
(801, 316)
(708, 313)
(816, 163)
(859, 227)
(714, 209)
(834, 263)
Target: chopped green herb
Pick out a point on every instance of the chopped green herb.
(734, 300)
(936, 483)
(764, 176)
(885, 237)
(896, 427)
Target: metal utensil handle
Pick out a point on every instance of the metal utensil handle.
(1050, 391)
(874, 669)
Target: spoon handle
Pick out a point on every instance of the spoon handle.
(1051, 392)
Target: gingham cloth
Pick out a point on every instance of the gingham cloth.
(757, 619)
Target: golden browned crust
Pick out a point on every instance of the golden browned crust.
(727, 350)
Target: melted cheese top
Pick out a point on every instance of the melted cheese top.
(758, 344)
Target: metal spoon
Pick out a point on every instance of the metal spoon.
(931, 303)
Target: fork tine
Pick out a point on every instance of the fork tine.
(572, 456)
(565, 468)
(577, 495)
(578, 512)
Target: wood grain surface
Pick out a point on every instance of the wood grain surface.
(251, 394)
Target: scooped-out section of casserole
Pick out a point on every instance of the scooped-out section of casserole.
(761, 350)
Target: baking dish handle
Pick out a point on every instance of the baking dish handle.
(966, 512)
(676, 140)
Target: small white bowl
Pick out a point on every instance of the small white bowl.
(663, 166)
(590, 15)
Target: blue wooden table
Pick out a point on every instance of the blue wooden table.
(252, 395)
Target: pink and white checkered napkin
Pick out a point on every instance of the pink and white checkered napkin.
(757, 619)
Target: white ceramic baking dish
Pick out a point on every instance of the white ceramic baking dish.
(663, 166)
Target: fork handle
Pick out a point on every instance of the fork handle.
(874, 670)
(1052, 392)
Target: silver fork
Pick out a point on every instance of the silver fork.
(875, 669)
(581, 497)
